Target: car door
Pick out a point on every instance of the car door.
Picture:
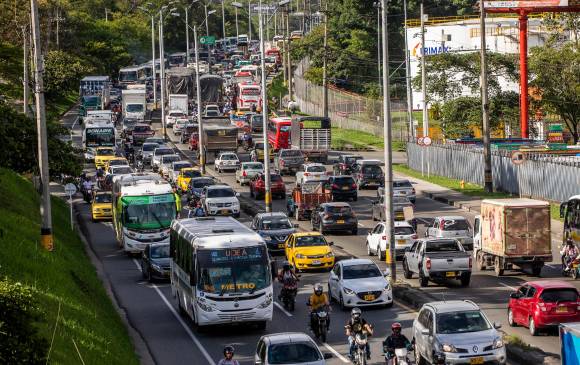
(375, 237)
(526, 303)
(517, 311)
(415, 256)
(288, 247)
(422, 324)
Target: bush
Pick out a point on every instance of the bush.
(19, 340)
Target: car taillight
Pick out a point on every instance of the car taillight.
(353, 186)
(470, 262)
(428, 264)
(306, 174)
(413, 190)
(542, 307)
(384, 238)
(244, 174)
(281, 162)
(441, 224)
(578, 306)
(335, 186)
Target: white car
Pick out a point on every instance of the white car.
(157, 154)
(176, 168)
(179, 125)
(172, 116)
(376, 243)
(165, 164)
(359, 283)
(247, 171)
(226, 161)
(220, 200)
(212, 110)
(119, 170)
(311, 172)
(289, 348)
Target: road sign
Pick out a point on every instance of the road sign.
(518, 157)
(70, 189)
(427, 141)
(420, 141)
(207, 40)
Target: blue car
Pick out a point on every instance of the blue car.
(274, 228)
(196, 185)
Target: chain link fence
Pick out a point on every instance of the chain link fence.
(541, 176)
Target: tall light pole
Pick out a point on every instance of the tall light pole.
(249, 23)
(223, 24)
(424, 76)
(237, 28)
(324, 65)
(186, 10)
(162, 61)
(408, 78)
(198, 101)
(289, 58)
(488, 179)
(45, 205)
(379, 39)
(388, 197)
(154, 67)
(25, 80)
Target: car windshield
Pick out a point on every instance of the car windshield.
(119, 162)
(201, 183)
(141, 128)
(182, 165)
(338, 209)
(404, 231)
(347, 180)
(229, 157)
(276, 223)
(352, 159)
(149, 212)
(170, 158)
(221, 193)
(402, 184)
(148, 147)
(176, 114)
(160, 252)
(559, 295)
(191, 173)
(291, 153)
(316, 169)
(455, 225)
(442, 246)
(105, 152)
(253, 166)
(292, 353)
(306, 241)
(122, 170)
(361, 271)
(275, 178)
(461, 322)
(372, 169)
(103, 198)
(163, 151)
(134, 108)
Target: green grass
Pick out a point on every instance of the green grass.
(63, 277)
(469, 189)
(276, 89)
(54, 109)
(350, 137)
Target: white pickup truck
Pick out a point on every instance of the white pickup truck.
(437, 259)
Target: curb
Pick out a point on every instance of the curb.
(463, 206)
(531, 355)
(412, 296)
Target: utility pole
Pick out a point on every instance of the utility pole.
(237, 28)
(25, 81)
(162, 73)
(267, 188)
(488, 180)
(284, 58)
(249, 23)
(388, 198)
(45, 207)
(289, 58)
(187, 34)
(379, 41)
(408, 78)
(224, 24)
(324, 72)
(424, 76)
(153, 62)
(198, 101)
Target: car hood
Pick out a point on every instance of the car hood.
(366, 284)
(468, 340)
(163, 262)
(222, 200)
(315, 250)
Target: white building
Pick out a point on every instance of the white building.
(502, 35)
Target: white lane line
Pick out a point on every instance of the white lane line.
(282, 309)
(180, 320)
(508, 286)
(335, 353)
(361, 225)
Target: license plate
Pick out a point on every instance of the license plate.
(315, 262)
(476, 360)
(369, 297)
(345, 188)
(451, 274)
(225, 211)
(281, 245)
(561, 309)
(340, 221)
(401, 242)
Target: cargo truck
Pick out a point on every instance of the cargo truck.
(512, 234)
(311, 135)
(134, 105)
(179, 102)
(219, 136)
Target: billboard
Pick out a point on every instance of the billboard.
(510, 4)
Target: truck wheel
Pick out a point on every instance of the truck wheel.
(537, 269)
(465, 278)
(406, 272)
(423, 281)
(498, 267)
(479, 261)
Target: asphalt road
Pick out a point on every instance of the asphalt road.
(173, 339)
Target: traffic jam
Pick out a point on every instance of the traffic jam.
(183, 191)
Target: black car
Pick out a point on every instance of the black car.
(334, 217)
(345, 164)
(274, 229)
(256, 123)
(155, 261)
(343, 188)
(196, 185)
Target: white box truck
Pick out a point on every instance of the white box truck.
(179, 102)
(134, 105)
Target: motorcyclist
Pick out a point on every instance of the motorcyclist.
(569, 252)
(246, 140)
(396, 340)
(129, 152)
(87, 187)
(288, 278)
(317, 301)
(228, 357)
(354, 326)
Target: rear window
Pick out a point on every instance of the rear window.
(346, 180)
(316, 169)
(291, 153)
(456, 225)
(338, 210)
(559, 295)
(373, 169)
(405, 231)
(253, 166)
(442, 246)
(163, 151)
(141, 128)
(275, 178)
(402, 184)
(150, 146)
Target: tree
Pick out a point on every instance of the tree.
(459, 115)
(63, 72)
(555, 72)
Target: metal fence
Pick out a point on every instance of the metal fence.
(541, 176)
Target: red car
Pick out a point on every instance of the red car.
(258, 186)
(541, 304)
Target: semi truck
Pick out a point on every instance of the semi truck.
(512, 234)
(134, 105)
(311, 135)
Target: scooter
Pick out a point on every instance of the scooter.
(320, 324)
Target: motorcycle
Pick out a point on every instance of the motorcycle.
(320, 324)
(288, 297)
(574, 270)
(401, 357)
(247, 144)
(87, 194)
(360, 348)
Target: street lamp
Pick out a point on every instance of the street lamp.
(186, 10)
(237, 5)
(154, 67)
(173, 12)
(207, 13)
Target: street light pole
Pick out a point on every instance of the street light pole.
(268, 191)
(424, 76)
(223, 24)
(289, 58)
(206, 24)
(45, 204)
(488, 179)
(379, 39)
(237, 28)
(249, 23)
(388, 197)
(162, 73)
(198, 101)
(408, 78)
(324, 65)
(187, 35)
(25, 80)
(153, 62)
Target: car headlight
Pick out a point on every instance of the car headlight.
(387, 288)
(497, 343)
(212, 204)
(268, 238)
(348, 291)
(300, 256)
(448, 348)
(266, 302)
(156, 267)
(329, 255)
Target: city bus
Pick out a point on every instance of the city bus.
(144, 205)
(570, 212)
(132, 75)
(220, 272)
(279, 132)
(177, 59)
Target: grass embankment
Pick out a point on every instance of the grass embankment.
(468, 189)
(63, 278)
(349, 137)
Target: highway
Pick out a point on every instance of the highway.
(173, 339)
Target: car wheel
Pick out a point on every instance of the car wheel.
(179, 307)
(369, 251)
(423, 281)
(381, 254)
(532, 327)
(406, 272)
(341, 302)
(374, 218)
(511, 320)
(465, 279)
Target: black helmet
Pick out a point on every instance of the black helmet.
(229, 350)
(286, 266)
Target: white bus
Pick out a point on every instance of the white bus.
(220, 272)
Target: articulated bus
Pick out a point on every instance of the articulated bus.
(220, 272)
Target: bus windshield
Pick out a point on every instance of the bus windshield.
(134, 108)
(99, 137)
(149, 212)
(128, 76)
(233, 270)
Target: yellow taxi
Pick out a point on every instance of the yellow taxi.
(185, 176)
(309, 250)
(102, 206)
(116, 161)
(257, 153)
(103, 155)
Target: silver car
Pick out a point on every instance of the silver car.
(452, 226)
(247, 171)
(401, 188)
(459, 330)
(289, 348)
(147, 152)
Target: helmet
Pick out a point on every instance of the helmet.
(286, 266)
(355, 313)
(396, 327)
(318, 289)
(229, 350)
(569, 241)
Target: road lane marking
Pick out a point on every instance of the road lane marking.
(180, 320)
(336, 353)
(361, 225)
(282, 309)
(508, 286)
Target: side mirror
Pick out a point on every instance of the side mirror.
(237, 194)
(496, 325)
(327, 355)
(296, 225)
(387, 272)
(425, 332)
(331, 243)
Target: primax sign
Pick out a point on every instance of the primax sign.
(429, 51)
